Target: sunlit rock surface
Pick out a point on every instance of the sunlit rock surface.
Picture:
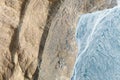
(98, 38)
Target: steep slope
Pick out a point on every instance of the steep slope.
(37, 37)
(21, 27)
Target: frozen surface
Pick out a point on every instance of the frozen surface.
(98, 38)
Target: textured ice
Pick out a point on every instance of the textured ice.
(98, 38)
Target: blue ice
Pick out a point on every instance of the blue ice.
(98, 39)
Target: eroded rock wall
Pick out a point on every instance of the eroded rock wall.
(37, 37)
(9, 20)
(21, 27)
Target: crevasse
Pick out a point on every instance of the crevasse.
(98, 39)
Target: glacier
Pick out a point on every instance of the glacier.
(98, 39)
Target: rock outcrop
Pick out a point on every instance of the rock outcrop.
(37, 39)
(21, 27)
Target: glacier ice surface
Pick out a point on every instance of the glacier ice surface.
(98, 39)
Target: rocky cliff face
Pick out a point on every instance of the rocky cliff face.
(37, 37)
(21, 28)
